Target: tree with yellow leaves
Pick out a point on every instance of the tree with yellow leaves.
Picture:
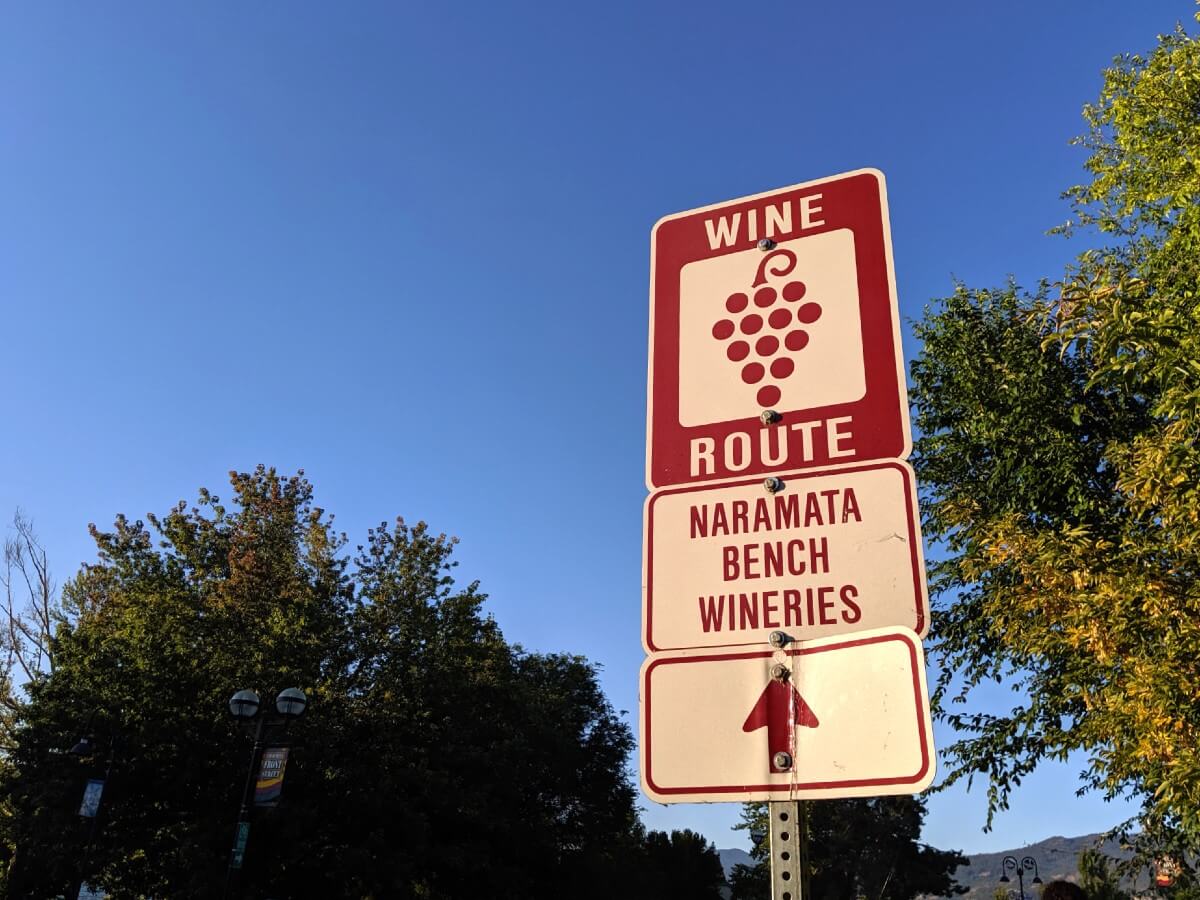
(1060, 459)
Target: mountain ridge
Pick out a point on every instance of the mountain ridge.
(1056, 857)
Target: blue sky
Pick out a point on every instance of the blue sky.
(405, 247)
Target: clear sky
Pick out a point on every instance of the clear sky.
(405, 247)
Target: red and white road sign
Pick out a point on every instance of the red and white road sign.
(853, 716)
(830, 553)
(807, 327)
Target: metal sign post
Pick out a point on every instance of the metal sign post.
(789, 850)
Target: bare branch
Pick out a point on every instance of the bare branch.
(28, 619)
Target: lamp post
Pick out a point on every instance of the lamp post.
(1026, 864)
(89, 806)
(246, 707)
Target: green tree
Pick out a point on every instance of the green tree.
(681, 865)
(867, 847)
(1061, 470)
(750, 882)
(1099, 876)
(437, 760)
(29, 612)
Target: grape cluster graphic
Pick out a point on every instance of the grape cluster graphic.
(783, 324)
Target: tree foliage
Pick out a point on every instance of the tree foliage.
(29, 612)
(1099, 876)
(681, 865)
(1061, 470)
(437, 760)
(858, 848)
(28, 616)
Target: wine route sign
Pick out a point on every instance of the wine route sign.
(782, 616)
(786, 302)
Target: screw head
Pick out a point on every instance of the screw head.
(773, 485)
(782, 760)
(766, 244)
(780, 672)
(769, 417)
(778, 639)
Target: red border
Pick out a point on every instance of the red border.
(857, 202)
(920, 594)
(786, 789)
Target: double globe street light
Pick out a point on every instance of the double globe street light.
(1026, 864)
(246, 707)
(290, 704)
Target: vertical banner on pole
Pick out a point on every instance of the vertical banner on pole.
(89, 807)
(270, 776)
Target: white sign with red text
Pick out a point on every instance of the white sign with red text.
(775, 350)
(852, 716)
(830, 553)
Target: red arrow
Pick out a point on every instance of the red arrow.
(781, 709)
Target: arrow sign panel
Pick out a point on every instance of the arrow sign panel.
(853, 714)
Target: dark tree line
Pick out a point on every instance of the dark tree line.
(857, 848)
(437, 759)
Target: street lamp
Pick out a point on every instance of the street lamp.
(246, 707)
(1027, 864)
(83, 747)
(89, 808)
(291, 703)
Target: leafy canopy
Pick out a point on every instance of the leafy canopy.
(1060, 462)
(858, 848)
(436, 759)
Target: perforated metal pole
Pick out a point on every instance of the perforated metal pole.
(789, 850)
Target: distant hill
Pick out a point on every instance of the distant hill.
(731, 857)
(1056, 858)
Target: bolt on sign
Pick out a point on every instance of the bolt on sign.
(826, 553)
(835, 717)
(786, 302)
